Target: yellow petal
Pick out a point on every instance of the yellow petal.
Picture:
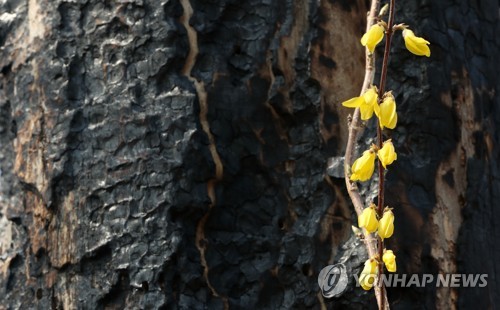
(386, 225)
(364, 39)
(368, 274)
(366, 281)
(363, 167)
(376, 109)
(388, 116)
(373, 37)
(387, 155)
(389, 260)
(355, 102)
(416, 45)
(368, 219)
(371, 96)
(393, 120)
(370, 104)
(366, 111)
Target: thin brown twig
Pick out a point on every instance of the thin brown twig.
(355, 124)
(381, 169)
(354, 128)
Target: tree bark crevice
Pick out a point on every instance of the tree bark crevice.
(174, 154)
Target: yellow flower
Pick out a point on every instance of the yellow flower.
(387, 115)
(373, 37)
(370, 105)
(416, 45)
(362, 168)
(367, 103)
(368, 219)
(387, 154)
(389, 260)
(368, 274)
(386, 224)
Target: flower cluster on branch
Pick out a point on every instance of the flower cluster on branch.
(376, 101)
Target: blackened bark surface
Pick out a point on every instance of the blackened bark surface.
(174, 153)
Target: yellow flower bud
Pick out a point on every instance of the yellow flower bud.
(368, 219)
(355, 230)
(387, 114)
(389, 260)
(416, 45)
(362, 168)
(367, 103)
(368, 274)
(386, 224)
(387, 154)
(373, 37)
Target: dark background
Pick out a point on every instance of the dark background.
(141, 169)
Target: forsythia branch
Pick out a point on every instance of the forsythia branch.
(373, 100)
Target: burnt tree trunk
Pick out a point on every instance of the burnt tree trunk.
(174, 153)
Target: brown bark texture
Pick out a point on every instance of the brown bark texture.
(186, 154)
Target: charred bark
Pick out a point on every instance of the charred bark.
(174, 154)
